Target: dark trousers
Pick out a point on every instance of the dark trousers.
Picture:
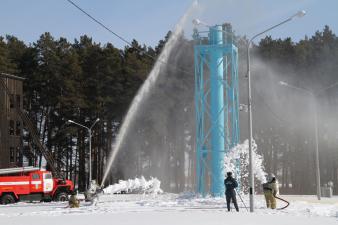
(231, 195)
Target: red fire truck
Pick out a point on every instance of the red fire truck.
(32, 184)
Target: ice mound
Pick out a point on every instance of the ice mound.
(137, 185)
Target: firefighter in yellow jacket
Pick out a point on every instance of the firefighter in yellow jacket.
(270, 191)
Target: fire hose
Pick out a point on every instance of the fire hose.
(283, 200)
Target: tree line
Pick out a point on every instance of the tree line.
(78, 81)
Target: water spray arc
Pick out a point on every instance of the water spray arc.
(216, 103)
(145, 89)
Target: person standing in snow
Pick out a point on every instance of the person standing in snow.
(91, 194)
(230, 184)
(74, 201)
(270, 191)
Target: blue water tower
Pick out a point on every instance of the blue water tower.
(217, 105)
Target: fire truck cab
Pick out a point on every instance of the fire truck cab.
(32, 184)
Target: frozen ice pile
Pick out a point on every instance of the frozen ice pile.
(240, 154)
(137, 185)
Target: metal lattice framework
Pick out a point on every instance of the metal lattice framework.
(217, 105)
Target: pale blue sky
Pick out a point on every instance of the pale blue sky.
(149, 20)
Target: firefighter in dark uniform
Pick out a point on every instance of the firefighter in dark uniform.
(230, 184)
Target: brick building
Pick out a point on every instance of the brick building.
(11, 125)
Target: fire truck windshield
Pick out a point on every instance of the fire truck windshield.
(35, 176)
(48, 176)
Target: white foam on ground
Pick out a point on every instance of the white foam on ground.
(138, 185)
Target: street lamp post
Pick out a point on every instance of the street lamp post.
(313, 96)
(317, 150)
(89, 129)
(251, 175)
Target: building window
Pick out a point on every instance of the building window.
(18, 154)
(17, 128)
(11, 101)
(11, 154)
(11, 127)
(18, 101)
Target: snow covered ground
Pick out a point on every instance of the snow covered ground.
(170, 209)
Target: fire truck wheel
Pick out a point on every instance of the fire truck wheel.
(62, 197)
(7, 199)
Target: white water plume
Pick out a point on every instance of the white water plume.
(145, 88)
(241, 153)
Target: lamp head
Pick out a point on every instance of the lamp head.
(70, 121)
(97, 120)
(197, 22)
(301, 13)
(283, 83)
